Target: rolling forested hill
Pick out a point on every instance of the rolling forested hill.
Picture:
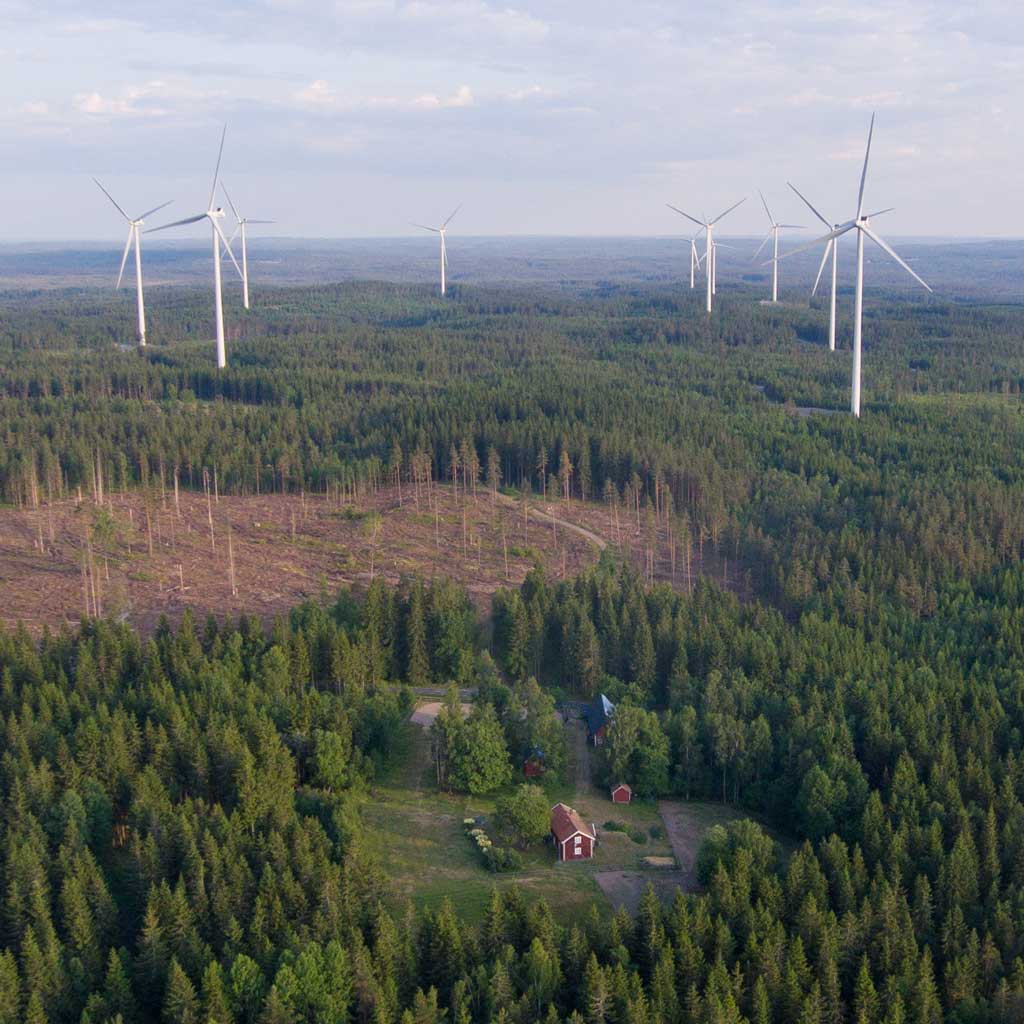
(192, 814)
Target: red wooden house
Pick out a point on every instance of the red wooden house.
(622, 793)
(574, 839)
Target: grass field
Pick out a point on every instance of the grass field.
(417, 833)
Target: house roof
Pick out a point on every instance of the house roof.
(623, 785)
(599, 712)
(565, 823)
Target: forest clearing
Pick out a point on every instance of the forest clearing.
(417, 832)
(137, 556)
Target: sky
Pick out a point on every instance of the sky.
(353, 118)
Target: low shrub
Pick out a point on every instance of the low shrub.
(502, 858)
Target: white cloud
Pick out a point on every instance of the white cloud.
(462, 97)
(321, 95)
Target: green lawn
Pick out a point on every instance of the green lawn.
(417, 833)
(419, 837)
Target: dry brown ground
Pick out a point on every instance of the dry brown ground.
(424, 714)
(286, 548)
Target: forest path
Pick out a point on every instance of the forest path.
(538, 515)
(581, 757)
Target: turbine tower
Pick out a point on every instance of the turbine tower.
(773, 237)
(444, 251)
(709, 244)
(133, 241)
(240, 225)
(214, 214)
(861, 223)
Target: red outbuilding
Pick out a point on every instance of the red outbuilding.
(574, 839)
(621, 794)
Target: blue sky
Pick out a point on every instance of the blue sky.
(354, 117)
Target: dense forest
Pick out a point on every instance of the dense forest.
(181, 814)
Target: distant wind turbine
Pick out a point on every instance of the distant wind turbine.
(832, 246)
(444, 251)
(773, 237)
(860, 224)
(214, 214)
(133, 240)
(709, 244)
(240, 226)
(695, 259)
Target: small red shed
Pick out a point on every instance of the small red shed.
(574, 839)
(622, 793)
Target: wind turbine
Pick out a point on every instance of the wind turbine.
(773, 237)
(214, 214)
(860, 224)
(241, 223)
(695, 259)
(133, 240)
(709, 244)
(444, 251)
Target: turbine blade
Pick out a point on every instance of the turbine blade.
(175, 224)
(767, 239)
(841, 230)
(216, 170)
(224, 189)
(879, 213)
(124, 258)
(882, 244)
(249, 220)
(821, 266)
(425, 227)
(764, 203)
(113, 200)
(452, 215)
(731, 208)
(793, 227)
(807, 203)
(682, 213)
(149, 213)
(864, 171)
(220, 235)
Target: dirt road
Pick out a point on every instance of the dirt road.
(538, 515)
(581, 757)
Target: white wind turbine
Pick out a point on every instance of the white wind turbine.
(860, 224)
(709, 244)
(214, 214)
(773, 237)
(444, 251)
(695, 259)
(239, 231)
(832, 246)
(133, 240)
